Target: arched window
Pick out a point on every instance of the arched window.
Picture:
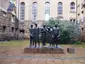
(72, 6)
(22, 11)
(47, 11)
(60, 8)
(12, 19)
(34, 11)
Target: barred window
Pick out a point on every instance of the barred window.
(22, 11)
(47, 11)
(72, 6)
(60, 8)
(34, 11)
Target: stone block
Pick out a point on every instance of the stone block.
(71, 50)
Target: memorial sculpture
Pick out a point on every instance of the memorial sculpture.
(49, 35)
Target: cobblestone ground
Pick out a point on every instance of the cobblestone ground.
(16, 55)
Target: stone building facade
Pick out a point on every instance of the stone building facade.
(39, 11)
(81, 17)
(8, 22)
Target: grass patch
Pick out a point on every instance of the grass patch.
(80, 45)
(15, 43)
(26, 43)
(75, 45)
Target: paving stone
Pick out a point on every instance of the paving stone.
(66, 62)
(25, 61)
(14, 63)
(42, 61)
(58, 62)
(75, 62)
(49, 55)
(34, 61)
(82, 60)
(50, 62)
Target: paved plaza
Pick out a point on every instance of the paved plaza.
(16, 55)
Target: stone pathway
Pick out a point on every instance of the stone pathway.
(15, 55)
(41, 61)
(41, 57)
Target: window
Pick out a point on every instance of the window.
(82, 29)
(22, 31)
(12, 29)
(84, 5)
(70, 20)
(4, 28)
(72, 7)
(83, 19)
(12, 19)
(60, 8)
(73, 20)
(82, 12)
(34, 11)
(47, 11)
(79, 14)
(22, 11)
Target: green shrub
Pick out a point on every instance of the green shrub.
(64, 37)
(76, 42)
(69, 31)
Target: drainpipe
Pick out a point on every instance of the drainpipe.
(76, 11)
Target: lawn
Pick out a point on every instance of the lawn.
(26, 42)
(79, 45)
(15, 43)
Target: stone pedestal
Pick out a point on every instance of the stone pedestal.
(44, 50)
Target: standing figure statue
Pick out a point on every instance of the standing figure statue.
(52, 37)
(36, 35)
(56, 35)
(31, 36)
(49, 35)
(43, 35)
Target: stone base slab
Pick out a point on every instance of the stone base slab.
(44, 50)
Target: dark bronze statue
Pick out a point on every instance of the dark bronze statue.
(43, 35)
(48, 34)
(36, 35)
(31, 36)
(56, 35)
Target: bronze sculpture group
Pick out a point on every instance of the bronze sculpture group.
(44, 35)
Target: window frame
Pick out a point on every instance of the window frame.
(60, 9)
(47, 11)
(34, 11)
(22, 11)
(72, 7)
